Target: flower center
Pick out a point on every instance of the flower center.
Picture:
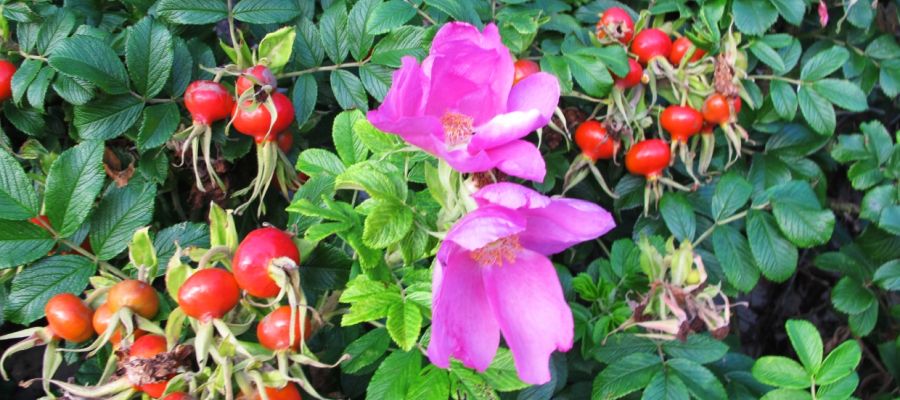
(457, 128)
(498, 251)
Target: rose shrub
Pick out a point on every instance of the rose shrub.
(465, 199)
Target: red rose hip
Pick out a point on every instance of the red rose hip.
(648, 158)
(651, 43)
(209, 293)
(254, 255)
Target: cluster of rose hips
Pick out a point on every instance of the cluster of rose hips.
(260, 111)
(652, 49)
(207, 295)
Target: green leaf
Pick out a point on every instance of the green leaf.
(107, 117)
(699, 348)
(839, 363)
(851, 297)
(120, 213)
(35, 285)
(558, 66)
(18, 200)
(775, 256)
(878, 140)
(678, 215)
(369, 300)
(700, 382)
(304, 95)
(754, 17)
(888, 275)
(787, 394)
(277, 47)
(103, 68)
(784, 99)
(157, 126)
(469, 384)
(192, 12)
(386, 224)
(734, 255)
(890, 219)
(404, 321)
(366, 350)
(316, 161)
(590, 73)
(37, 91)
(731, 194)
(403, 41)
(842, 93)
(74, 181)
(22, 242)
(501, 374)
(149, 54)
(395, 376)
(862, 324)
(335, 35)
(817, 111)
(459, 10)
(380, 179)
(883, 48)
(389, 16)
(265, 11)
(73, 91)
(376, 79)
(348, 90)
(432, 383)
(185, 234)
(182, 68)
(799, 215)
(666, 385)
(349, 147)
(625, 376)
(55, 28)
(824, 63)
(767, 55)
(781, 372)
(806, 342)
(23, 77)
(840, 390)
(359, 37)
(308, 50)
(791, 10)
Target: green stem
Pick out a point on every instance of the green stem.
(80, 250)
(233, 34)
(325, 68)
(777, 78)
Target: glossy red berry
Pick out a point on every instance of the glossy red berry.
(716, 109)
(69, 318)
(137, 295)
(651, 43)
(273, 331)
(680, 48)
(648, 158)
(681, 122)
(209, 293)
(253, 118)
(594, 142)
(263, 76)
(288, 392)
(285, 141)
(148, 347)
(634, 76)
(254, 255)
(178, 396)
(524, 69)
(7, 70)
(101, 320)
(617, 20)
(208, 101)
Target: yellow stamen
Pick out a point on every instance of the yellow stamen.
(458, 128)
(498, 251)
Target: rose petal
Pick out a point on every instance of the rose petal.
(510, 195)
(534, 317)
(463, 325)
(520, 159)
(531, 105)
(483, 226)
(564, 223)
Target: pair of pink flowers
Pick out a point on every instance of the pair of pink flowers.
(492, 274)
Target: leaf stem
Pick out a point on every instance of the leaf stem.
(424, 15)
(80, 250)
(32, 56)
(325, 68)
(778, 78)
(231, 32)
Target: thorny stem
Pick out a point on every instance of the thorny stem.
(78, 249)
(325, 68)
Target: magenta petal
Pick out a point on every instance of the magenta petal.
(510, 195)
(484, 226)
(534, 317)
(407, 95)
(564, 223)
(520, 159)
(531, 105)
(463, 326)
